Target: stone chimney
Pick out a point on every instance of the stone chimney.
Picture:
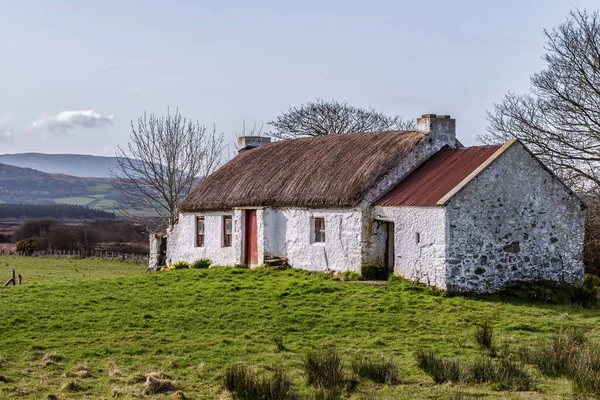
(250, 142)
(440, 128)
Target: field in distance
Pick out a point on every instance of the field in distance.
(93, 329)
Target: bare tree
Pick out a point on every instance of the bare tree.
(559, 119)
(321, 118)
(164, 158)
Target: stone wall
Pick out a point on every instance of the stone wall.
(419, 242)
(514, 222)
(158, 251)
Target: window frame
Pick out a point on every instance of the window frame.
(226, 238)
(198, 234)
(318, 236)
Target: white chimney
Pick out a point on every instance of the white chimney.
(251, 142)
(440, 128)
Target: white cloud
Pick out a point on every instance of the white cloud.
(66, 121)
(5, 134)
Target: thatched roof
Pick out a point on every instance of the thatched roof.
(329, 171)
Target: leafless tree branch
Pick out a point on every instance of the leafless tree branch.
(164, 158)
(559, 119)
(321, 118)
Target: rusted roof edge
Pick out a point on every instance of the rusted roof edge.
(477, 171)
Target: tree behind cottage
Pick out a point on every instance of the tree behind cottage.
(163, 159)
(322, 118)
(559, 119)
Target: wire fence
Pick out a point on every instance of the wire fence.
(108, 255)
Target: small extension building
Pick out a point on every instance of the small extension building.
(476, 219)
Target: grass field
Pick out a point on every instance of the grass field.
(118, 323)
(78, 201)
(96, 201)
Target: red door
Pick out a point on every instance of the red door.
(251, 238)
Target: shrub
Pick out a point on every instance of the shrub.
(25, 247)
(587, 295)
(324, 368)
(440, 369)
(201, 263)
(484, 336)
(246, 384)
(377, 369)
(177, 265)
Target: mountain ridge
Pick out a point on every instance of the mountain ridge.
(21, 185)
(79, 165)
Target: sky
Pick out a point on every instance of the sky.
(74, 74)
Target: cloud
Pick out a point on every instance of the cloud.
(66, 121)
(5, 134)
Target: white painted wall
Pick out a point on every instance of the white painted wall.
(425, 261)
(287, 233)
(181, 242)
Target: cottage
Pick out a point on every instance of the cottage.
(473, 219)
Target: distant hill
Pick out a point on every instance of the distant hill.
(29, 186)
(70, 164)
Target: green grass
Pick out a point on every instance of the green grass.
(103, 204)
(193, 324)
(46, 269)
(78, 201)
(102, 187)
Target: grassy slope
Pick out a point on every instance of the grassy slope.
(191, 324)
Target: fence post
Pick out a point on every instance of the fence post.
(20, 279)
(13, 278)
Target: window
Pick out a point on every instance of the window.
(318, 230)
(227, 225)
(200, 231)
(418, 237)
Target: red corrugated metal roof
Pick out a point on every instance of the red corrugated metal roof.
(439, 175)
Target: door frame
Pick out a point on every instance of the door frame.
(247, 236)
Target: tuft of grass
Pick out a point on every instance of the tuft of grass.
(484, 336)
(50, 359)
(279, 345)
(349, 276)
(585, 374)
(440, 369)
(246, 384)
(513, 376)
(114, 370)
(155, 385)
(324, 368)
(559, 356)
(483, 370)
(377, 369)
(72, 387)
(326, 394)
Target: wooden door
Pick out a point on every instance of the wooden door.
(251, 234)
